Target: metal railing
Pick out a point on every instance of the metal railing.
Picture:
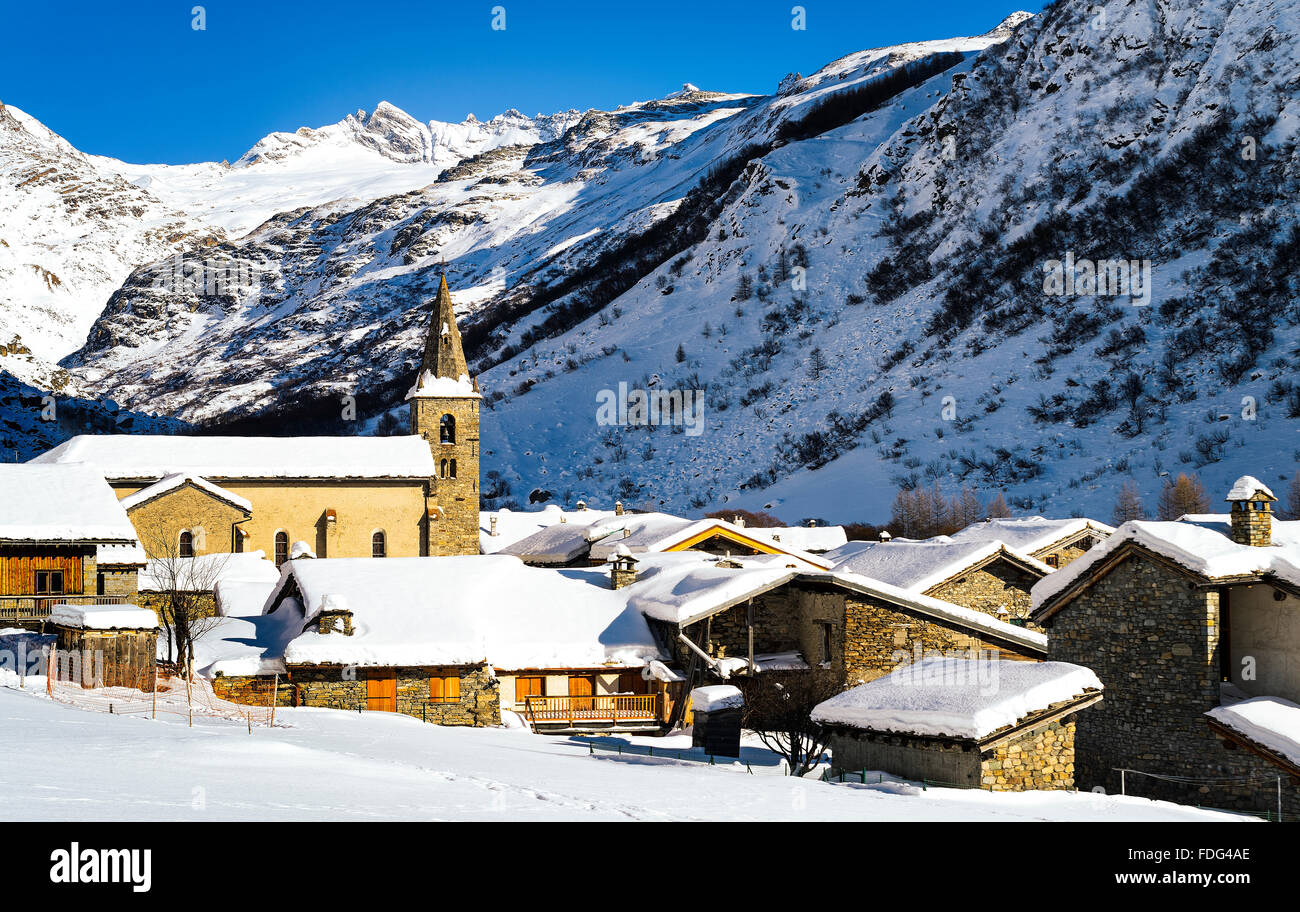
(37, 607)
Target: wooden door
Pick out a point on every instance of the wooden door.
(582, 689)
(381, 692)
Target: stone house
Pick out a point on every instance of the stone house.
(727, 617)
(56, 523)
(987, 576)
(453, 640)
(1055, 542)
(344, 496)
(1181, 620)
(996, 725)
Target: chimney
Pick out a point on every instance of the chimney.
(884, 535)
(1252, 512)
(493, 523)
(618, 508)
(739, 520)
(622, 569)
(582, 505)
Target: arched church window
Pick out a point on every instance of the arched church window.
(187, 544)
(281, 547)
(379, 544)
(447, 429)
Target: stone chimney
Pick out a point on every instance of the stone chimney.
(618, 508)
(884, 535)
(622, 570)
(493, 522)
(335, 615)
(1252, 512)
(738, 520)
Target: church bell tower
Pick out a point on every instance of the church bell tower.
(444, 411)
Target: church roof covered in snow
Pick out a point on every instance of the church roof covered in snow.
(178, 480)
(60, 503)
(128, 457)
(816, 539)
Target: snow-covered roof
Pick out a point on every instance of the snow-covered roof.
(1200, 548)
(715, 697)
(918, 565)
(203, 572)
(1031, 533)
(122, 457)
(60, 503)
(132, 555)
(683, 587)
(959, 698)
(243, 597)
(1247, 487)
(427, 386)
(104, 617)
(938, 608)
(178, 480)
(516, 525)
(803, 538)
(1284, 531)
(1271, 722)
(464, 610)
(557, 544)
(648, 532)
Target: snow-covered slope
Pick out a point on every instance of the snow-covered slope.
(850, 270)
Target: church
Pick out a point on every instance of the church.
(405, 496)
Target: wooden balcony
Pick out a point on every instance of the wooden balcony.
(37, 607)
(594, 713)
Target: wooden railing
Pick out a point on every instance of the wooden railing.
(613, 708)
(37, 607)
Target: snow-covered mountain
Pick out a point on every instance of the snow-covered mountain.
(851, 270)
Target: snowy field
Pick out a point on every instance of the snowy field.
(63, 763)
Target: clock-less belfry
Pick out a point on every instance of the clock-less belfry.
(444, 411)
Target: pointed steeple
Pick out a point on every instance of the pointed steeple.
(443, 355)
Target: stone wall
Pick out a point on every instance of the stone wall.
(1153, 638)
(340, 688)
(253, 690)
(121, 582)
(1042, 758)
(880, 636)
(997, 585)
(205, 603)
(160, 521)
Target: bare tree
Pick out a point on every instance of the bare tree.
(1185, 495)
(1293, 498)
(185, 579)
(1128, 505)
(778, 708)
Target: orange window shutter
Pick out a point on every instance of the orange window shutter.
(435, 689)
(451, 690)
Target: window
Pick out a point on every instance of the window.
(828, 643)
(442, 469)
(1052, 561)
(444, 689)
(378, 545)
(447, 429)
(281, 547)
(533, 686)
(49, 582)
(187, 544)
(99, 584)
(453, 469)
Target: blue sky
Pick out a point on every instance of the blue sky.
(136, 81)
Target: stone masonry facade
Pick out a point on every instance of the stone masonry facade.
(868, 637)
(340, 688)
(996, 586)
(1042, 758)
(1152, 634)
